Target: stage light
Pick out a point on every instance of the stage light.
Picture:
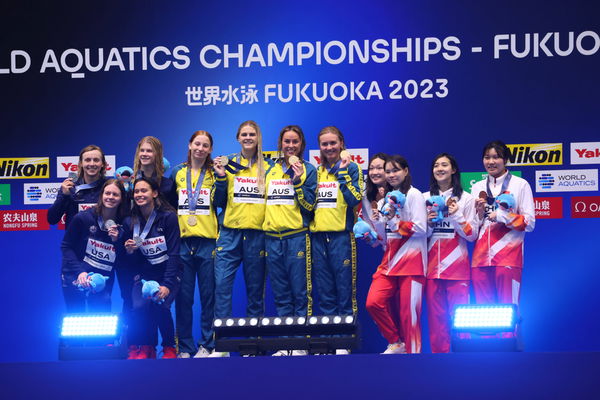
(218, 322)
(229, 322)
(89, 325)
(316, 334)
(91, 336)
(485, 317)
(485, 327)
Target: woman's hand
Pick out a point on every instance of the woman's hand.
(130, 246)
(66, 186)
(83, 280)
(162, 293)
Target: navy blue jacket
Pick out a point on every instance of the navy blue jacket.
(87, 248)
(158, 259)
(70, 204)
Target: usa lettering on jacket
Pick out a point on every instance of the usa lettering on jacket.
(155, 250)
(100, 255)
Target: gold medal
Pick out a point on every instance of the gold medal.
(293, 160)
(192, 221)
(223, 160)
(345, 154)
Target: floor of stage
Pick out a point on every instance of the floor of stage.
(423, 376)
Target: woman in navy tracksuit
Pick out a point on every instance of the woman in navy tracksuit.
(90, 246)
(81, 193)
(154, 250)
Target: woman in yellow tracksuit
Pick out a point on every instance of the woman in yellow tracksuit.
(339, 191)
(196, 187)
(290, 189)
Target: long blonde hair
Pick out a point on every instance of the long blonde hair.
(157, 148)
(260, 161)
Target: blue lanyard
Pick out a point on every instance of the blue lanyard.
(490, 197)
(136, 226)
(194, 192)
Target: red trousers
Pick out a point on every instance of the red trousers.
(442, 295)
(408, 292)
(496, 284)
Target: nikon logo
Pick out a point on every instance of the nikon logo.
(535, 154)
(24, 168)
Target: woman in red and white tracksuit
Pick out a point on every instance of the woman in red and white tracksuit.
(448, 268)
(401, 274)
(498, 254)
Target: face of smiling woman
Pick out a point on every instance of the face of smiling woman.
(143, 195)
(91, 165)
(331, 146)
(111, 197)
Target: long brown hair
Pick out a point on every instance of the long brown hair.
(123, 209)
(91, 147)
(209, 161)
(297, 130)
(157, 148)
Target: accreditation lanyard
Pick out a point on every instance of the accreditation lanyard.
(289, 172)
(490, 197)
(147, 227)
(335, 167)
(193, 192)
(85, 186)
(234, 167)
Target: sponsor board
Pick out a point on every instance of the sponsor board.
(567, 180)
(66, 164)
(585, 207)
(359, 156)
(535, 154)
(4, 194)
(24, 220)
(40, 193)
(24, 168)
(468, 179)
(585, 153)
(548, 207)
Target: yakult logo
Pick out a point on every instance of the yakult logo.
(67, 164)
(585, 153)
(585, 207)
(359, 156)
(245, 180)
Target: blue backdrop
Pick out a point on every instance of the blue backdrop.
(542, 97)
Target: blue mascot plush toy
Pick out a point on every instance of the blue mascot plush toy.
(506, 202)
(438, 205)
(125, 175)
(150, 290)
(394, 202)
(97, 283)
(363, 230)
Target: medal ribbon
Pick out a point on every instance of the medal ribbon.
(136, 226)
(194, 192)
(490, 197)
